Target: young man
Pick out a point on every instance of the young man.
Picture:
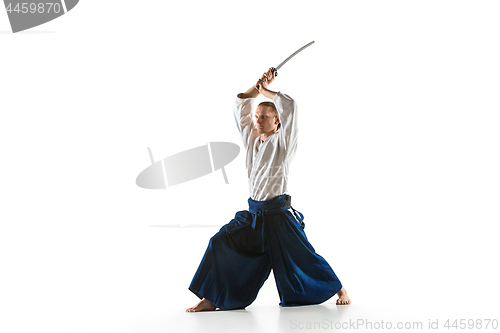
(270, 235)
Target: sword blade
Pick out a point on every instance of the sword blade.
(293, 54)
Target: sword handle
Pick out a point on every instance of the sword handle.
(275, 70)
(276, 74)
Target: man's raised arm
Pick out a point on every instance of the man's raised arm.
(250, 93)
(261, 87)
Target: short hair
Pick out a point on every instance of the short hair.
(272, 106)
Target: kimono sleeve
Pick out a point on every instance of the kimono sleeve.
(243, 116)
(287, 110)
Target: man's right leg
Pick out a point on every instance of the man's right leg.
(234, 267)
(203, 305)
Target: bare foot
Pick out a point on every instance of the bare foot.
(202, 305)
(343, 298)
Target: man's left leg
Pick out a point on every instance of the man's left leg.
(302, 276)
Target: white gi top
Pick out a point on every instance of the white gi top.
(268, 162)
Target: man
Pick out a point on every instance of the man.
(270, 235)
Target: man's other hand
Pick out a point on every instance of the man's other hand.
(269, 76)
(266, 79)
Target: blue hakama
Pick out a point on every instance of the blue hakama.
(239, 259)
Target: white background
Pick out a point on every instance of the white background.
(396, 170)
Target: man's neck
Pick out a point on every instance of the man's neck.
(264, 136)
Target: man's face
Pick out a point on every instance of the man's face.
(266, 119)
